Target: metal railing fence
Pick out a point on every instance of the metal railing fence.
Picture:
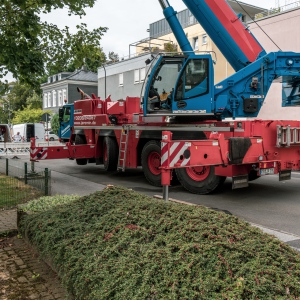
(21, 181)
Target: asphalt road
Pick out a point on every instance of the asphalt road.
(266, 202)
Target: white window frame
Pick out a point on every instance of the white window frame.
(121, 78)
(143, 74)
(196, 43)
(54, 98)
(65, 96)
(136, 76)
(204, 39)
(45, 100)
(49, 99)
(60, 100)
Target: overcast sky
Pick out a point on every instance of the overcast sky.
(127, 21)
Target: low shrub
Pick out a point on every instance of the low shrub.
(47, 202)
(118, 244)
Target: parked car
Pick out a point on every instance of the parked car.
(51, 136)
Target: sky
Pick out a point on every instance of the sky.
(127, 21)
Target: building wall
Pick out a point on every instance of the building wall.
(59, 91)
(110, 76)
(283, 30)
(74, 95)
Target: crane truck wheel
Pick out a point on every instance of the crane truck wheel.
(200, 180)
(110, 153)
(80, 140)
(151, 162)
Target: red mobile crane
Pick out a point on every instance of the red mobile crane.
(185, 131)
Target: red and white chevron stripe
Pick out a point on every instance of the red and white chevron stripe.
(173, 155)
(41, 151)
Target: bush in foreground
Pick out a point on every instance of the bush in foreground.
(118, 244)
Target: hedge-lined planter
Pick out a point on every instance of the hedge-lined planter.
(118, 244)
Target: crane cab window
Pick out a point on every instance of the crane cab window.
(193, 81)
(166, 75)
(67, 114)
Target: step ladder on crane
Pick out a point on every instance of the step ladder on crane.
(123, 148)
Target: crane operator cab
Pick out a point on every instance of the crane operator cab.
(180, 85)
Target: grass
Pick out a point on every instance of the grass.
(119, 244)
(14, 192)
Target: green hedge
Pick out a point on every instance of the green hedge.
(118, 244)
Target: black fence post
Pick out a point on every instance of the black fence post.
(6, 167)
(25, 175)
(46, 182)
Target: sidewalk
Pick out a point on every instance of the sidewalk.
(22, 274)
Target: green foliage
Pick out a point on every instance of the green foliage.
(14, 191)
(118, 244)
(170, 47)
(81, 48)
(47, 202)
(55, 123)
(20, 97)
(27, 44)
(29, 115)
(15, 100)
(35, 101)
(113, 57)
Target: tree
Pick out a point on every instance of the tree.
(34, 101)
(113, 57)
(29, 115)
(81, 48)
(15, 99)
(55, 123)
(27, 44)
(170, 47)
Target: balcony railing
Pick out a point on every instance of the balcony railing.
(277, 10)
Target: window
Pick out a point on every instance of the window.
(196, 46)
(204, 39)
(67, 114)
(193, 81)
(121, 79)
(49, 99)
(136, 76)
(143, 74)
(60, 100)
(65, 96)
(45, 100)
(54, 98)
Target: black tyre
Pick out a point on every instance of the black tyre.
(80, 140)
(200, 180)
(151, 160)
(51, 139)
(110, 153)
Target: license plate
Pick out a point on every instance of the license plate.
(267, 171)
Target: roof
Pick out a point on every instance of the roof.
(82, 75)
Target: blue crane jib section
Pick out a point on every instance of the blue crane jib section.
(174, 23)
(224, 27)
